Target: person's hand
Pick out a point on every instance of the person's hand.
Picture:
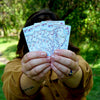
(64, 63)
(35, 65)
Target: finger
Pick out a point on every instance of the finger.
(65, 61)
(66, 53)
(59, 73)
(35, 62)
(33, 55)
(62, 68)
(38, 69)
(43, 73)
(65, 70)
(41, 76)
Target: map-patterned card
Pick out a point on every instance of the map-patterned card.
(47, 36)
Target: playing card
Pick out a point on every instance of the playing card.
(47, 36)
(61, 36)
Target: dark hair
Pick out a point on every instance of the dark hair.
(39, 16)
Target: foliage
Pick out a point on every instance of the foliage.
(82, 15)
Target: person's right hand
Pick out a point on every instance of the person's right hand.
(35, 65)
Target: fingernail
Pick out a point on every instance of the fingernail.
(56, 51)
(43, 54)
(53, 56)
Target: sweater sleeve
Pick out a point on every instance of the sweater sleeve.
(87, 79)
(11, 81)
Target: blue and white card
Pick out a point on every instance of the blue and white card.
(47, 36)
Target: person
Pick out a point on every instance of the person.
(64, 75)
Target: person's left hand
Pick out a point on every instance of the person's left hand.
(63, 62)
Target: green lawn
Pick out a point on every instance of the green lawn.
(89, 53)
(7, 48)
(1, 92)
(95, 92)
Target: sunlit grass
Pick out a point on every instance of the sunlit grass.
(1, 64)
(8, 47)
(97, 66)
(7, 50)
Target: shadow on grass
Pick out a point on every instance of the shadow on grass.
(8, 39)
(10, 52)
(95, 92)
(2, 97)
(91, 52)
(92, 56)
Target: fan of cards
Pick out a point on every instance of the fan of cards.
(47, 36)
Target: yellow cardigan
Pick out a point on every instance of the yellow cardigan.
(52, 88)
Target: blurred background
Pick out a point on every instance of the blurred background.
(82, 15)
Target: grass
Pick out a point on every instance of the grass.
(95, 92)
(90, 52)
(2, 97)
(8, 47)
(7, 50)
